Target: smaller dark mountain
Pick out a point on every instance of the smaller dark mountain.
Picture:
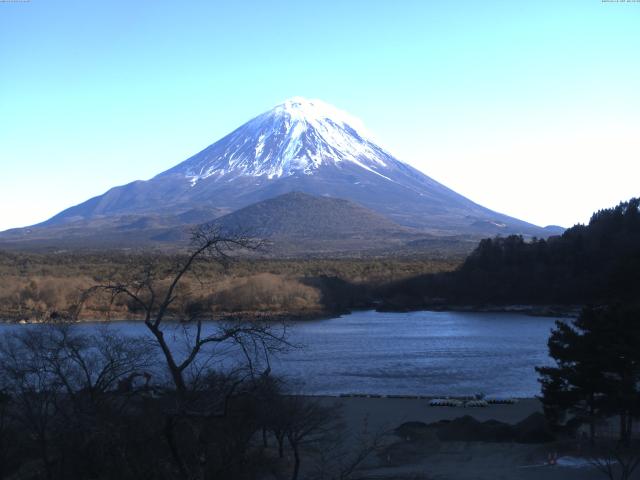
(299, 224)
(594, 263)
(299, 215)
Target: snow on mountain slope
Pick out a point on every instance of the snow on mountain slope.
(298, 136)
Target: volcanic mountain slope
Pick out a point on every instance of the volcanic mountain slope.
(301, 145)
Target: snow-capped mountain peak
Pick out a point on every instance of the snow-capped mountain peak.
(297, 137)
(315, 112)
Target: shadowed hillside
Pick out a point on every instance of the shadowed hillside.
(588, 264)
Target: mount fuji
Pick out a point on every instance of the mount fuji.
(300, 145)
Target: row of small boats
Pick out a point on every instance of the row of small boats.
(476, 402)
(471, 401)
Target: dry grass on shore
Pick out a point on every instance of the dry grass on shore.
(38, 286)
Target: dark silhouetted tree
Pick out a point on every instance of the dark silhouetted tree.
(597, 372)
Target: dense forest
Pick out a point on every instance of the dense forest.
(594, 263)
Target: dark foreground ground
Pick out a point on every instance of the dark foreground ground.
(430, 458)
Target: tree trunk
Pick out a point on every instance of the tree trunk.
(176, 373)
(280, 439)
(592, 422)
(44, 451)
(624, 434)
(296, 461)
(171, 441)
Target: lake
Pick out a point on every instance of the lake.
(415, 353)
(427, 353)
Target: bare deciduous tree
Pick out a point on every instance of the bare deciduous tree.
(157, 294)
(306, 422)
(57, 380)
(73, 395)
(161, 295)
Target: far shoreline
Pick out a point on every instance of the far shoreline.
(548, 311)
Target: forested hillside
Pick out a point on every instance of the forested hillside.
(598, 262)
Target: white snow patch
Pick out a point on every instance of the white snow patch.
(298, 135)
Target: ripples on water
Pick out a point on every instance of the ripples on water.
(430, 353)
(415, 353)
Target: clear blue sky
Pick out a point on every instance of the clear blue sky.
(531, 107)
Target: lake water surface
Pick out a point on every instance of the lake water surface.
(415, 353)
(430, 353)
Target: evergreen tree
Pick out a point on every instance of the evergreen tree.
(597, 372)
(573, 387)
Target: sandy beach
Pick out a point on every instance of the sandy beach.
(438, 460)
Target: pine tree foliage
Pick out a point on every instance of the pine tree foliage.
(597, 371)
